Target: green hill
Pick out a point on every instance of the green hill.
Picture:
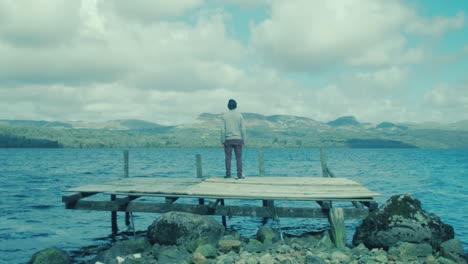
(263, 131)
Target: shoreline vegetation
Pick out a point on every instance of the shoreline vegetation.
(398, 232)
(280, 131)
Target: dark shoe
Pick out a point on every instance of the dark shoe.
(227, 177)
(240, 177)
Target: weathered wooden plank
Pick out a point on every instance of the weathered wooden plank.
(259, 197)
(223, 210)
(278, 180)
(326, 205)
(157, 183)
(76, 196)
(201, 188)
(273, 188)
(70, 200)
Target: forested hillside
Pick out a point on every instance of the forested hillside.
(263, 131)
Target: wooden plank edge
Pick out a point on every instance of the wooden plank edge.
(71, 199)
(223, 210)
(235, 197)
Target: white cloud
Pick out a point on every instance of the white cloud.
(437, 25)
(149, 10)
(167, 62)
(248, 3)
(108, 49)
(307, 35)
(447, 102)
(380, 82)
(38, 22)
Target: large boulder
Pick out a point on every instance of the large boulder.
(401, 219)
(453, 250)
(50, 256)
(177, 228)
(122, 249)
(268, 235)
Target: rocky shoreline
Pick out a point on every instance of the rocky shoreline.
(398, 232)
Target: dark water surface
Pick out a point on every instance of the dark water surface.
(32, 216)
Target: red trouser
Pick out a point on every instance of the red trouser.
(235, 144)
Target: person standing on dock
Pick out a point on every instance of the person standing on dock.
(233, 136)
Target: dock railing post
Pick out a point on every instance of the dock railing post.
(323, 162)
(261, 163)
(126, 164)
(126, 175)
(198, 163)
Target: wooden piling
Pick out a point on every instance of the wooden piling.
(115, 228)
(261, 163)
(126, 175)
(198, 158)
(198, 164)
(223, 218)
(337, 227)
(323, 162)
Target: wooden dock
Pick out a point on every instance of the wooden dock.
(251, 188)
(214, 194)
(319, 196)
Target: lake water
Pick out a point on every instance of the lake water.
(32, 216)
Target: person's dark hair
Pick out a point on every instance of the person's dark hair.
(232, 104)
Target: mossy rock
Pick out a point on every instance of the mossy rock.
(402, 219)
(50, 256)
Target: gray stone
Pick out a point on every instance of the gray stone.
(255, 246)
(409, 251)
(360, 249)
(266, 259)
(324, 244)
(252, 260)
(267, 235)
(229, 258)
(453, 249)
(208, 251)
(123, 248)
(198, 258)
(442, 260)
(431, 260)
(381, 258)
(311, 259)
(340, 257)
(177, 228)
(401, 219)
(284, 249)
(172, 254)
(50, 256)
(226, 245)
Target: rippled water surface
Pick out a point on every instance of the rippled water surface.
(32, 216)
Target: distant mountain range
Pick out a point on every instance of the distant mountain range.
(263, 131)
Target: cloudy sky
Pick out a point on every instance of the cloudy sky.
(168, 61)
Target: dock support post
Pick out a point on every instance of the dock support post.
(269, 204)
(115, 228)
(261, 163)
(126, 175)
(337, 227)
(198, 163)
(223, 218)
